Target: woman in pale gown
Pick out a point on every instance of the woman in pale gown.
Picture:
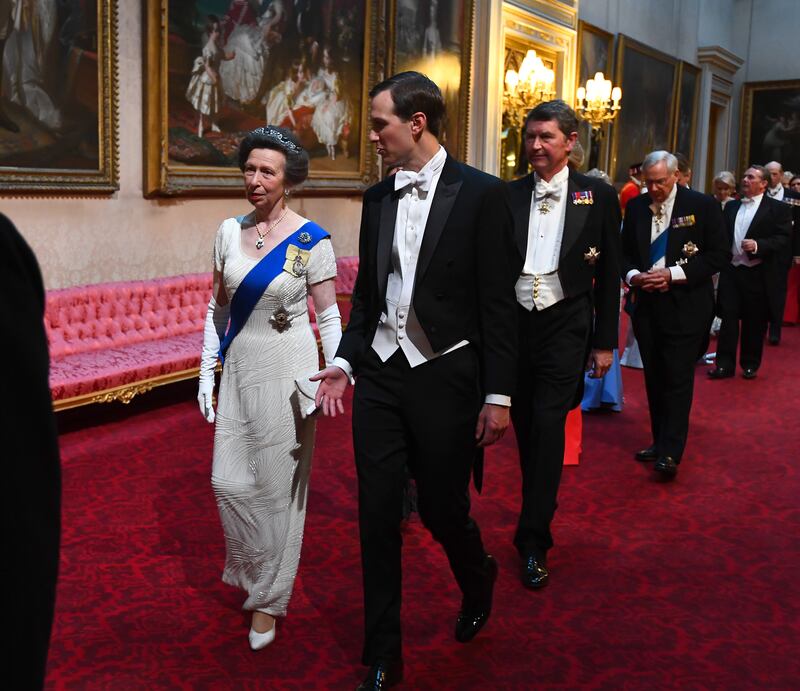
(266, 264)
(205, 91)
(243, 77)
(331, 112)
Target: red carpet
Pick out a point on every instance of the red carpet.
(690, 584)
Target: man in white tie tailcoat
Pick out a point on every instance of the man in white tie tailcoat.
(432, 343)
(566, 227)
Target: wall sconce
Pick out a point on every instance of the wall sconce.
(525, 89)
(597, 102)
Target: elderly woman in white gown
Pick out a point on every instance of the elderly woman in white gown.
(266, 264)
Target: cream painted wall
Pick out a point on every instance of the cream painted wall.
(127, 237)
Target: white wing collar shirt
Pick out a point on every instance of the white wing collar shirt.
(744, 217)
(539, 286)
(658, 225)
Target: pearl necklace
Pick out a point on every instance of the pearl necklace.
(270, 228)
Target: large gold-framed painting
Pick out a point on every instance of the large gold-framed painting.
(58, 90)
(649, 80)
(770, 128)
(595, 54)
(217, 69)
(686, 110)
(435, 37)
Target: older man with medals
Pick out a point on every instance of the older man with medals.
(566, 227)
(673, 242)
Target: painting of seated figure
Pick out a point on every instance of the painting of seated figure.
(234, 65)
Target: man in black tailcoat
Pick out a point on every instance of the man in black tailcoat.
(780, 262)
(673, 242)
(566, 227)
(759, 231)
(432, 342)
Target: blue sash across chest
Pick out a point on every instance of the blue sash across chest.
(262, 274)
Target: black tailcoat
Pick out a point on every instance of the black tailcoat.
(779, 264)
(743, 295)
(586, 226)
(465, 272)
(422, 420)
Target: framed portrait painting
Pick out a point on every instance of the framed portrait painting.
(217, 69)
(595, 53)
(686, 111)
(649, 81)
(770, 129)
(435, 37)
(58, 91)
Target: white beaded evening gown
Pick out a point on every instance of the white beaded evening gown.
(262, 445)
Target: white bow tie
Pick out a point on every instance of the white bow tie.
(421, 180)
(548, 189)
(747, 200)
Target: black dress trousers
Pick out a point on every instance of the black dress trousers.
(742, 298)
(669, 340)
(423, 420)
(553, 348)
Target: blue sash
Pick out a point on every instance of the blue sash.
(262, 274)
(658, 248)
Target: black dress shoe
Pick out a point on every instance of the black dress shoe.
(382, 675)
(534, 572)
(474, 615)
(719, 373)
(749, 373)
(666, 466)
(774, 341)
(648, 454)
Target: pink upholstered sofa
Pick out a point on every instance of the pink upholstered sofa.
(111, 341)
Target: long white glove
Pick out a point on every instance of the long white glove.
(329, 322)
(213, 333)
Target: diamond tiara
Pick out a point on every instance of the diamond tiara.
(279, 137)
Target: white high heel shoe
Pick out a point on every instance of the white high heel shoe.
(261, 640)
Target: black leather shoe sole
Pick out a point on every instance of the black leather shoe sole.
(648, 454)
(719, 373)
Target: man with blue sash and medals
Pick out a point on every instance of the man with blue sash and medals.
(673, 242)
(266, 264)
(432, 343)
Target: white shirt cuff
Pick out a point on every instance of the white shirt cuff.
(631, 274)
(344, 365)
(678, 274)
(498, 399)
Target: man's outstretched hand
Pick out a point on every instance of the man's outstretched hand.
(332, 384)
